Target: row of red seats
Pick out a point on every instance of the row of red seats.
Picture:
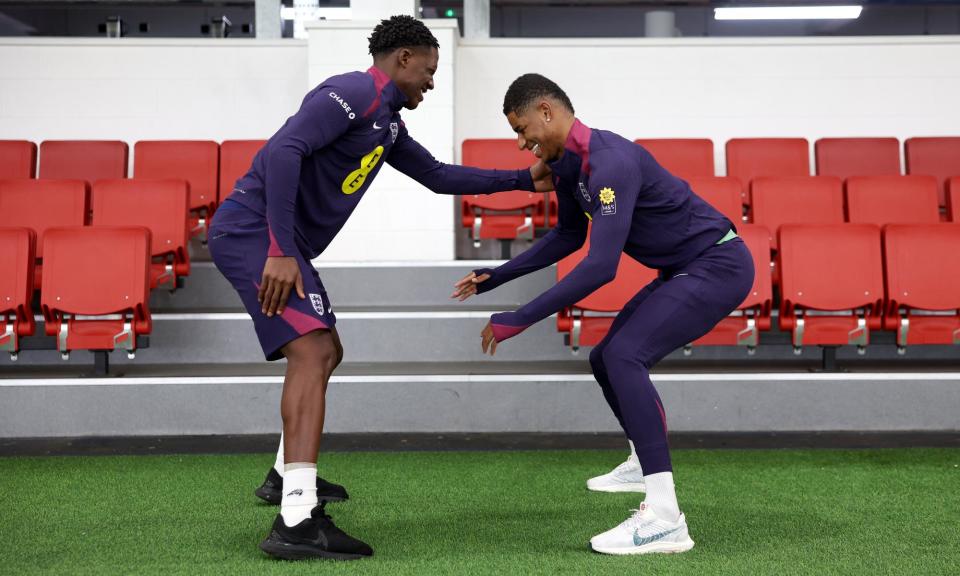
(158, 205)
(96, 286)
(209, 169)
(839, 283)
(828, 200)
(516, 214)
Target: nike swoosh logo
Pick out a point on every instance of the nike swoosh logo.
(638, 541)
(375, 127)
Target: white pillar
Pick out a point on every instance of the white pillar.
(267, 23)
(476, 18)
(660, 24)
(384, 226)
(383, 9)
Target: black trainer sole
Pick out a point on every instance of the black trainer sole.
(302, 552)
(275, 496)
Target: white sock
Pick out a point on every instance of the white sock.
(278, 463)
(661, 495)
(633, 451)
(299, 492)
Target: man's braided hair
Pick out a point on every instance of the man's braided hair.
(400, 32)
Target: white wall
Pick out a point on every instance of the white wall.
(397, 219)
(127, 89)
(717, 88)
(724, 88)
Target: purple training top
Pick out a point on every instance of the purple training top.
(311, 174)
(636, 207)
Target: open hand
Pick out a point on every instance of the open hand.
(487, 340)
(281, 274)
(467, 286)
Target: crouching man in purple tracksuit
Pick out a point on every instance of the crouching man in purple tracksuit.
(630, 204)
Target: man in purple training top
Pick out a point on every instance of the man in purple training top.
(303, 185)
(638, 208)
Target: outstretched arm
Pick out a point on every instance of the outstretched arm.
(409, 157)
(565, 239)
(613, 187)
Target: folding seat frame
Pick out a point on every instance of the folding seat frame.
(51, 203)
(721, 192)
(101, 159)
(236, 157)
(81, 308)
(683, 157)
(202, 203)
(923, 283)
(934, 156)
(17, 254)
(846, 157)
(19, 153)
(815, 314)
(506, 215)
(746, 155)
(884, 200)
(160, 205)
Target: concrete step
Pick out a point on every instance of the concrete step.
(365, 286)
(563, 403)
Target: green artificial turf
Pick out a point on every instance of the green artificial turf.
(750, 512)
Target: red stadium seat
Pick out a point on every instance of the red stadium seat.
(96, 287)
(17, 254)
(43, 204)
(923, 283)
(938, 157)
(953, 199)
(236, 157)
(505, 215)
(846, 157)
(832, 284)
(749, 158)
(721, 192)
(18, 159)
(892, 200)
(196, 161)
(89, 160)
(799, 200)
(743, 326)
(683, 157)
(589, 320)
(158, 205)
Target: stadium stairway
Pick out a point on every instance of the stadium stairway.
(413, 364)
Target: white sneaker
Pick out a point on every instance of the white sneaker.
(627, 477)
(644, 533)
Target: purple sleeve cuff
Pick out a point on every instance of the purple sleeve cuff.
(502, 329)
(525, 180)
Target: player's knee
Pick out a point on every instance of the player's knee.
(312, 353)
(623, 354)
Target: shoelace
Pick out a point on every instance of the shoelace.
(320, 515)
(623, 467)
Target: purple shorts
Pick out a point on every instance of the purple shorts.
(238, 239)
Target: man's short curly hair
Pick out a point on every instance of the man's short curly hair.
(400, 32)
(528, 88)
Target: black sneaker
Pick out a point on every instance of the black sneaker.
(272, 489)
(315, 537)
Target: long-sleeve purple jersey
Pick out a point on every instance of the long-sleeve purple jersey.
(636, 207)
(311, 174)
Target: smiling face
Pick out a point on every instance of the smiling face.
(414, 73)
(537, 130)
